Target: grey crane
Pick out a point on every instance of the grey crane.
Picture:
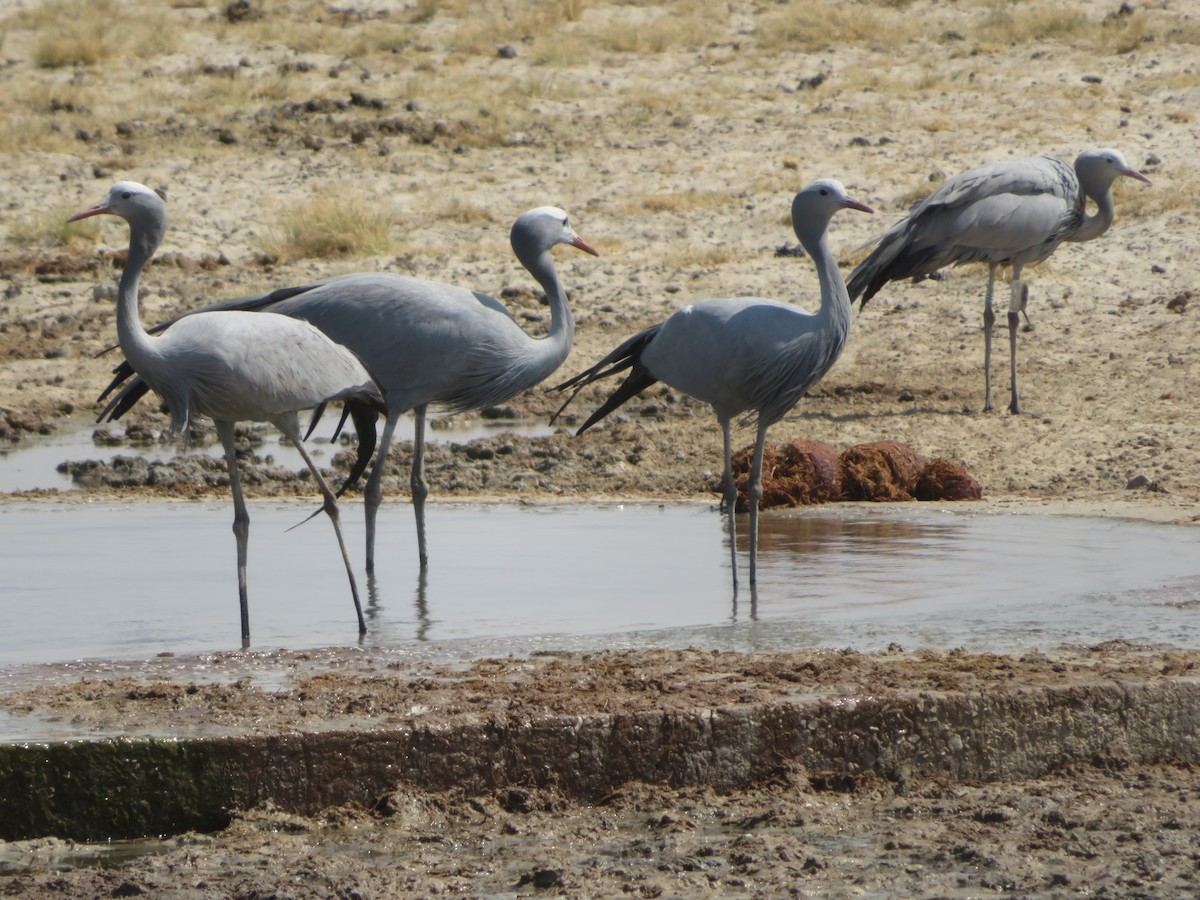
(1011, 213)
(427, 344)
(742, 355)
(231, 367)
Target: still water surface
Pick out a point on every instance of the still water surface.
(130, 581)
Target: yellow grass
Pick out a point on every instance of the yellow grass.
(88, 32)
(338, 223)
(48, 228)
(814, 26)
(1022, 24)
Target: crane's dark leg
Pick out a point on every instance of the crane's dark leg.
(754, 489)
(373, 491)
(241, 523)
(331, 510)
(989, 322)
(417, 483)
(729, 499)
(1016, 305)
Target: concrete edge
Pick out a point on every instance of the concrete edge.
(125, 788)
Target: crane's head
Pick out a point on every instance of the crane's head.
(1098, 169)
(540, 229)
(129, 200)
(815, 205)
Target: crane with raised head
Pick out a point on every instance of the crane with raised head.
(231, 367)
(742, 355)
(1011, 213)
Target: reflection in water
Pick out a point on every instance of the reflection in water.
(422, 606)
(132, 581)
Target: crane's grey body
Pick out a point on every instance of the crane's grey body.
(1012, 213)
(771, 353)
(430, 345)
(743, 356)
(231, 367)
(492, 361)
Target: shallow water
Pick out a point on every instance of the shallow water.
(33, 465)
(111, 581)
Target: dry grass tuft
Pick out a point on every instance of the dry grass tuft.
(1011, 24)
(685, 201)
(702, 256)
(48, 229)
(811, 27)
(465, 212)
(335, 224)
(84, 32)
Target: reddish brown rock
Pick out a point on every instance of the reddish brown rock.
(946, 480)
(880, 470)
(798, 474)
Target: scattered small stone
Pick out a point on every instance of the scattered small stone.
(1179, 303)
(1093, 79)
(813, 81)
(1137, 481)
(507, 52)
(860, 141)
(240, 11)
(360, 100)
(542, 878)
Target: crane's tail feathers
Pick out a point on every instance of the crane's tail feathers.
(625, 355)
(124, 401)
(318, 411)
(305, 520)
(583, 379)
(365, 417)
(639, 379)
(337, 432)
(121, 374)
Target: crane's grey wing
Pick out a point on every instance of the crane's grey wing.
(989, 214)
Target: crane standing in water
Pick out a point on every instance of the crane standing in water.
(231, 367)
(741, 355)
(426, 344)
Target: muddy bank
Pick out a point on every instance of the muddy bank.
(645, 774)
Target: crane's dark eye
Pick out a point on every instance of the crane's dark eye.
(125, 195)
(824, 193)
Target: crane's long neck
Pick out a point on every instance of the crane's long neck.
(136, 344)
(1094, 226)
(835, 313)
(553, 349)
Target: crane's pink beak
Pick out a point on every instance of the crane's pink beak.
(854, 204)
(584, 246)
(1134, 173)
(98, 210)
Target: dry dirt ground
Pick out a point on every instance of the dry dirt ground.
(675, 135)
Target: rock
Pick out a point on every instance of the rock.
(798, 474)
(946, 480)
(880, 470)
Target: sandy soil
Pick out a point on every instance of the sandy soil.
(677, 160)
